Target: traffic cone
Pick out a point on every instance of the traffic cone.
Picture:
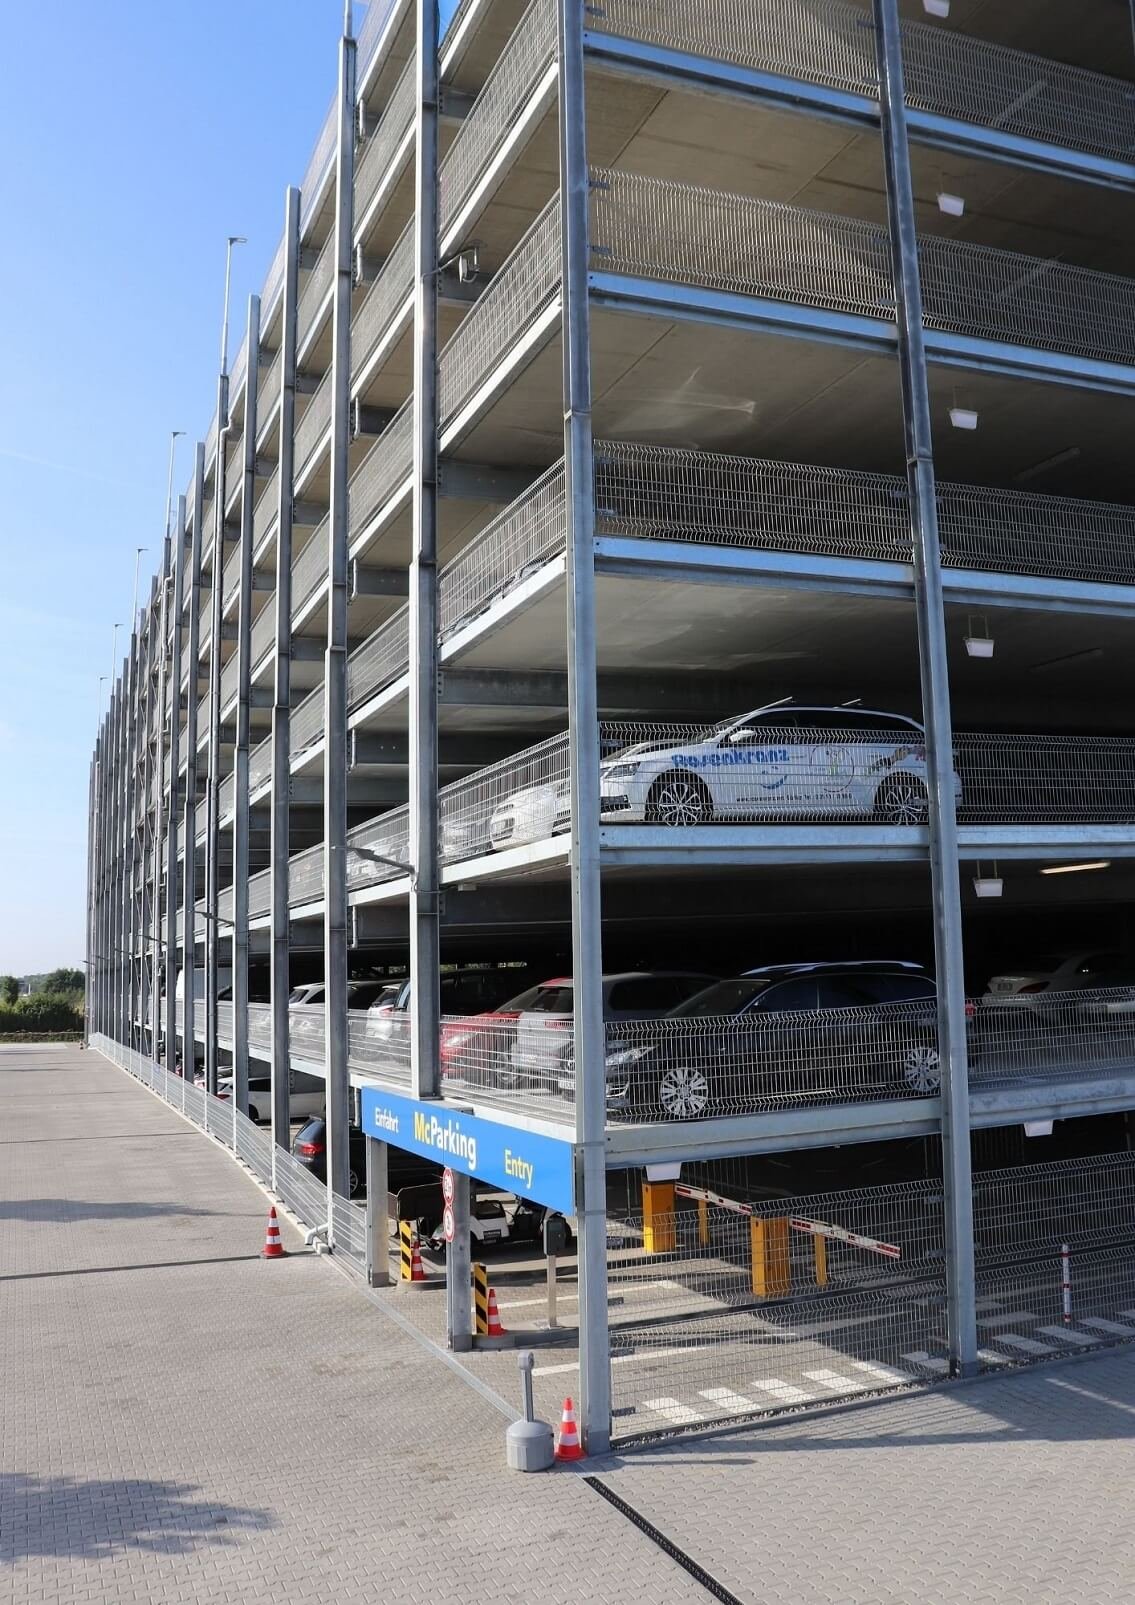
(495, 1327)
(273, 1248)
(417, 1269)
(569, 1446)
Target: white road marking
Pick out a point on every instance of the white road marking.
(834, 1383)
(928, 1362)
(991, 1358)
(1014, 1340)
(882, 1373)
(1010, 1318)
(618, 1359)
(1066, 1334)
(673, 1410)
(783, 1392)
(734, 1404)
(1112, 1327)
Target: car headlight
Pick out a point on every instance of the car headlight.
(619, 771)
(623, 1058)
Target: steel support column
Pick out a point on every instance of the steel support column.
(243, 695)
(459, 1271)
(282, 691)
(425, 949)
(157, 856)
(88, 973)
(378, 1213)
(213, 782)
(189, 828)
(583, 742)
(174, 783)
(335, 660)
(934, 668)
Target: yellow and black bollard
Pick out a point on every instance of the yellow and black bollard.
(480, 1300)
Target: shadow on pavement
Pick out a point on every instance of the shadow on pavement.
(69, 1210)
(69, 1517)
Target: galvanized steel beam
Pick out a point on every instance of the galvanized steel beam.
(189, 825)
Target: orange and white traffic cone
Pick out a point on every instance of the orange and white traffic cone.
(495, 1327)
(569, 1446)
(417, 1269)
(273, 1247)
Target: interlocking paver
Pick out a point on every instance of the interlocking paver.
(184, 1422)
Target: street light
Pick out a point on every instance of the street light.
(173, 439)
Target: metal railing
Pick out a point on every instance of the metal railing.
(309, 570)
(262, 638)
(690, 234)
(389, 293)
(273, 286)
(317, 288)
(385, 467)
(507, 551)
(268, 398)
(375, 162)
(314, 424)
(378, 14)
(947, 73)
(319, 167)
(527, 283)
(499, 105)
(267, 507)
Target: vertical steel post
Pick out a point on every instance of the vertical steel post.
(583, 738)
(89, 945)
(173, 794)
(213, 782)
(422, 707)
(934, 669)
(158, 857)
(335, 659)
(189, 828)
(282, 691)
(458, 1272)
(113, 945)
(244, 697)
(378, 1213)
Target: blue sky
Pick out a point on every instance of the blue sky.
(133, 139)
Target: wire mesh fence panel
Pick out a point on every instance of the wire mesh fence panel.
(230, 680)
(378, 14)
(526, 284)
(1025, 1209)
(383, 470)
(226, 793)
(380, 659)
(1025, 1035)
(735, 243)
(253, 1145)
(379, 1045)
(314, 424)
(305, 875)
(379, 850)
(314, 294)
(267, 506)
(219, 1115)
(348, 1230)
(1046, 779)
(260, 763)
(524, 798)
(717, 1367)
(1055, 1303)
(387, 143)
(268, 398)
(498, 107)
(387, 296)
(306, 724)
(259, 893)
(193, 1102)
(303, 1194)
(319, 167)
(225, 904)
(225, 1021)
(307, 1028)
(506, 552)
(230, 576)
(309, 569)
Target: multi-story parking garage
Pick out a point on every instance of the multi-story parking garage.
(670, 513)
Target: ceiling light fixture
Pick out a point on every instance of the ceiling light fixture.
(936, 8)
(987, 885)
(963, 417)
(1076, 869)
(979, 642)
(951, 205)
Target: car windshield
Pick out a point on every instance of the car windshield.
(724, 997)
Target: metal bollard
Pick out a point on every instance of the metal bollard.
(529, 1444)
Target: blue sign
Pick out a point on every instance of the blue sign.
(517, 1161)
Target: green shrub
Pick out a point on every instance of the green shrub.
(43, 1011)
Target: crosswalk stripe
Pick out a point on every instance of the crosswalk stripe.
(726, 1400)
(1014, 1340)
(991, 1357)
(881, 1373)
(1009, 1318)
(1067, 1334)
(785, 1392)
(674, 1410)
(1101, 1325)
(928, 1362)
(834, 1383)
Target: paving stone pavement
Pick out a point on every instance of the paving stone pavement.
(185, 1422)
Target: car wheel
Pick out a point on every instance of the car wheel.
(902, 800)
(356, 1183)
(683, 1092)
(678, 799)
(921, 1067)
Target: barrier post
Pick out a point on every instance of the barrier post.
(481, 1300)
(820, 1250)
(769, 1245)
(1066, 1282)
(658, 1234)
(406, 1235)
(703, 1223)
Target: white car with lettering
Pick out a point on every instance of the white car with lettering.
(783, 761)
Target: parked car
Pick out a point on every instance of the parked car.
(1063, 972)
(775, 761)
(306, 1095)
(498, 1220)
(360, 993)
(404, 1169)
(463, 992)
(781, 1031)
(532, 1032)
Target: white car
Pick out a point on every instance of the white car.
(1062, 972)
(306, 1096)
(776, 762)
